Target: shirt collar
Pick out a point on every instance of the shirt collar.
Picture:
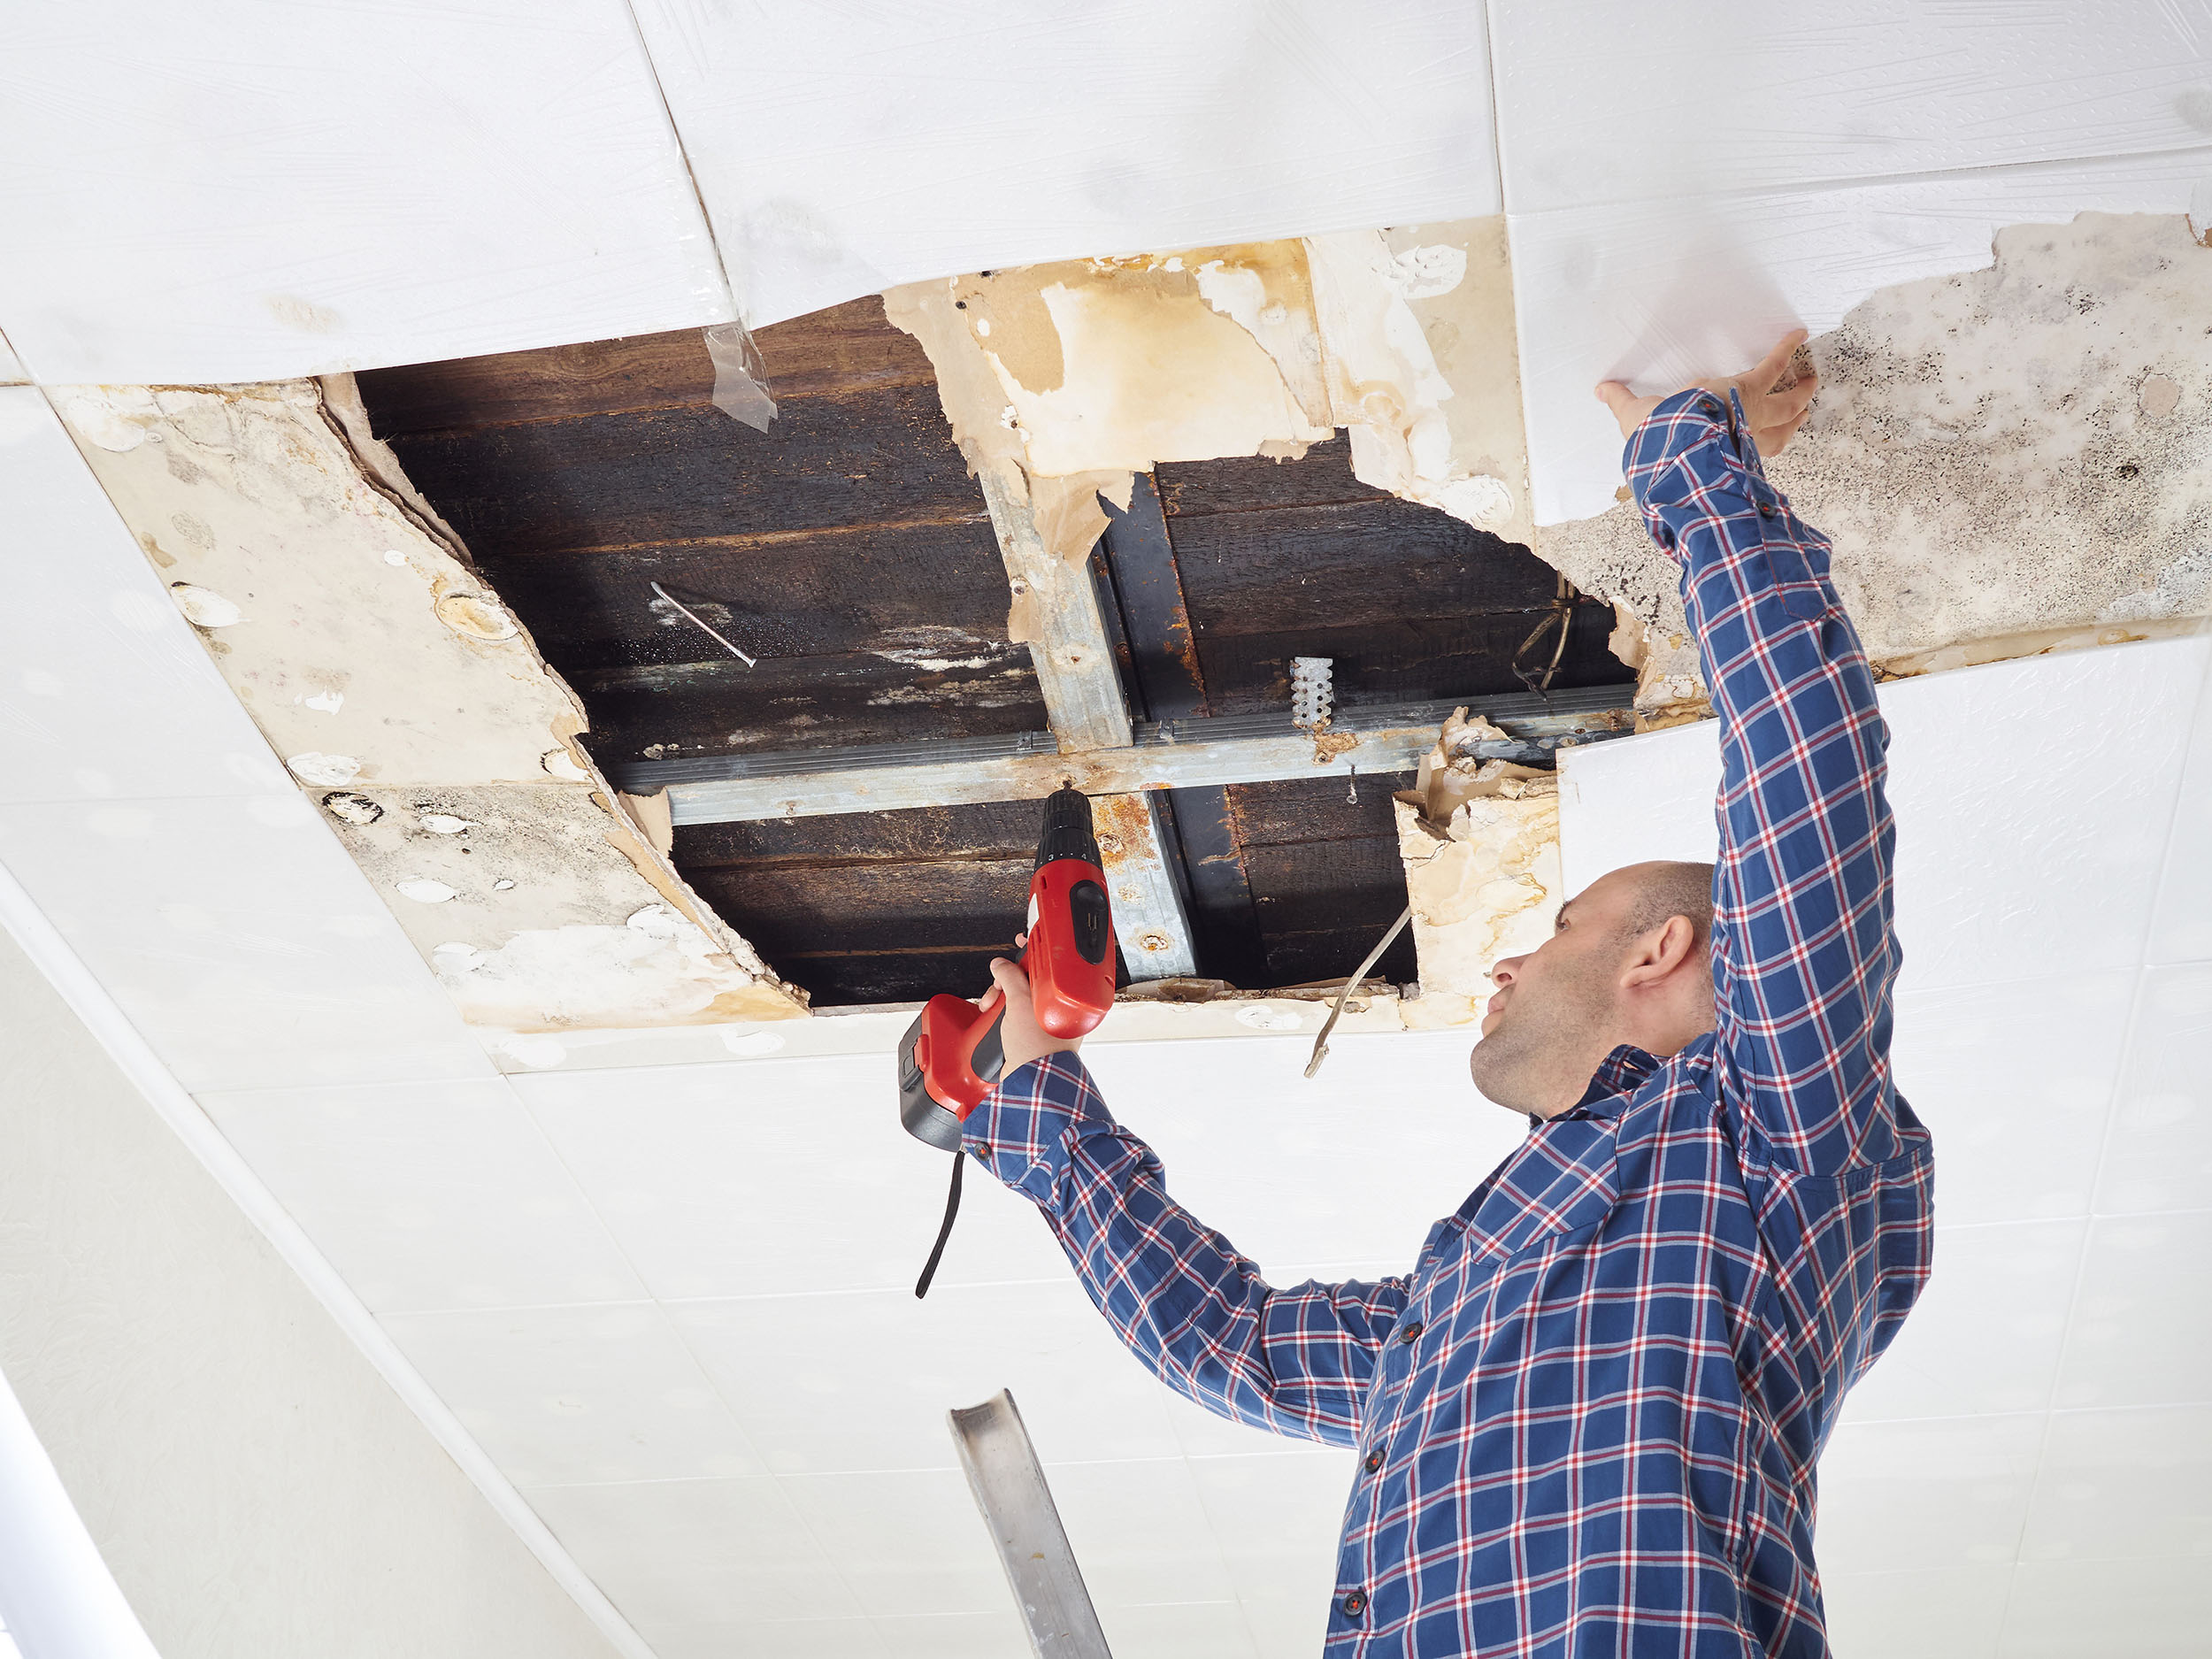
(1619, 1076)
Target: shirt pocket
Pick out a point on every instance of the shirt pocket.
(1796, 558)
(1562, 1179)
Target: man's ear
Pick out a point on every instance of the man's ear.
(1660, 952)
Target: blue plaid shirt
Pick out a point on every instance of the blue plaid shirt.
(1589, 1417)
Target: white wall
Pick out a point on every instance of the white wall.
(257, 1489)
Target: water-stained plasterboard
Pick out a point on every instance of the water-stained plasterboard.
(1479, 840)
(364, 650)
(412, 711)
(2021, 449)
(1064, 379)
(256, 190)
(1423, 367)
(1661, 292)
(540, 912)
(838, 158)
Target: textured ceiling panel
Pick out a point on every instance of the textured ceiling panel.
(252, 190)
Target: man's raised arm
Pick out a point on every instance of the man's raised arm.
(1804, 958)
(1179, 1294)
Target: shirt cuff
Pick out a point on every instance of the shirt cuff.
(1655, 455)
(1022, 1130)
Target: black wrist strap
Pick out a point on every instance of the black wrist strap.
(952, 1209)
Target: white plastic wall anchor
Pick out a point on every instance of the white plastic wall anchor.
(1312, 691)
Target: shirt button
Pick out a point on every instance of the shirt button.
(1355, 1604)
(1766, 509)
(1374, 1461)
(1411, 1334)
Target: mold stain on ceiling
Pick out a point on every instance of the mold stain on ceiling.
(2009, 460)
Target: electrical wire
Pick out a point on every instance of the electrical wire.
(1321, 1041)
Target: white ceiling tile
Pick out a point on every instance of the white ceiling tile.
(1295, 1185)
(2158, 1155)
(428, 1195)
(11, 369)
(1996, 882)
(1946, 1493)
(837, 161)
(1186, 1630)
(2181, 926)
(697, 1552)
(2123, 1486)
(749, 1177)
(1276, 1521)
(239, 939)
(1999, 878)
(106, 691)
(999, 1634)
(863, 1381)
(397, 184)
(1660, 293)
(1288, 1627)
(566, 1396)
(1948, 1615)
(1139, 1532)
(2141, 1333)
(1797, 95)
(1986, 1334)
(2014, 1081)
(2076, 1609)
(908, 1541)
(798, 1639)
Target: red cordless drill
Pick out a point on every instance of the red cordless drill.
(951, 1055)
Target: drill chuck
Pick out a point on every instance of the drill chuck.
(1067, 828)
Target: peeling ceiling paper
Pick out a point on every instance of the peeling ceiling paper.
(2018, 454)
(1070, 377)
(1482, 886)
(1063, 380)
(1418, 342)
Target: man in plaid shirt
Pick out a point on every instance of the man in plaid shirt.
(1588, 1419)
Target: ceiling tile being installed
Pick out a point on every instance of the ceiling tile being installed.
(1075, 132)
(1662, 291)
(263, 191)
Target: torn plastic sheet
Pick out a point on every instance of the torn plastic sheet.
(740, 378)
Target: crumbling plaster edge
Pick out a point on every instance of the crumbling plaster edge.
(51, 954)
(338, 401)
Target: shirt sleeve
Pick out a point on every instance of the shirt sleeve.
(1179, 1294)
(1804, 952)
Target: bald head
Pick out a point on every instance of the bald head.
(1659, 890)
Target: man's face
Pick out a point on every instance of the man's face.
(1554, 1007)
